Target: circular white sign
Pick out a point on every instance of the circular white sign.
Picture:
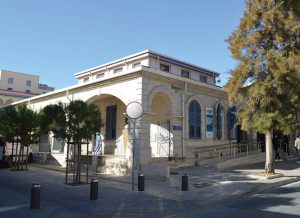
(134, 110)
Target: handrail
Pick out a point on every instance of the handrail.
(219, 145)
(207, 150)
(235, 144)
(228, 150)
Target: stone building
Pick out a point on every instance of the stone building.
(183, 109)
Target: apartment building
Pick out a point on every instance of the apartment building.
(15, 86)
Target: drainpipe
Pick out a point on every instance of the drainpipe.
(183, 121)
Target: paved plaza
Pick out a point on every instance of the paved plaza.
(208, 189)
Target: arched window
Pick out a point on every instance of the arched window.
(219, 122)
(194, 120)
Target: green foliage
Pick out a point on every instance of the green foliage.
(53, 118)
(74, 121)
(22, 124)
(92, 122)
(19, 121)
(266, 82)
(7, 121)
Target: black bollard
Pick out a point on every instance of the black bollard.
(94, 189)
(35, 196)
(141, 182)
(185, 183)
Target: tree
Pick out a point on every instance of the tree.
(76, 122)
(22, 124)
(53, 119)
(266, 81)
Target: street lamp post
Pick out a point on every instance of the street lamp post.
(134, 110)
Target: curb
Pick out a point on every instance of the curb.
(261, 188)
(258, 188)
(273, 185)
(48, 168)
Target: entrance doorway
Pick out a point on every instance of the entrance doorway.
(161, 139)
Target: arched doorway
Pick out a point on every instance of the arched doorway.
(160, 127)
(112, 138)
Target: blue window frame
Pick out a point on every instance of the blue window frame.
(219, 122)
(10, 80)
(111, 122)
(194, 120)
(28, 83)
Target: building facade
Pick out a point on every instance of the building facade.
(183, 109)
(16, 86)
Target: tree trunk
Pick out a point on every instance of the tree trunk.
(269, 166)
(18, 157)
(79, 162)
(22, 157)
(77, 180)
(76, 163)
(27, 156)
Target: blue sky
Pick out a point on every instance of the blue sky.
(55, 39)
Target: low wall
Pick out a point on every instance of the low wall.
(113, 165)
(156, 172)
(58, 159)
(240, 161)
(120, 166)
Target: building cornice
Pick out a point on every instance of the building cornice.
(180, 78)
(143, 54)
(181, 63)
(112, 63)
(117, 77)
(16, 94)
